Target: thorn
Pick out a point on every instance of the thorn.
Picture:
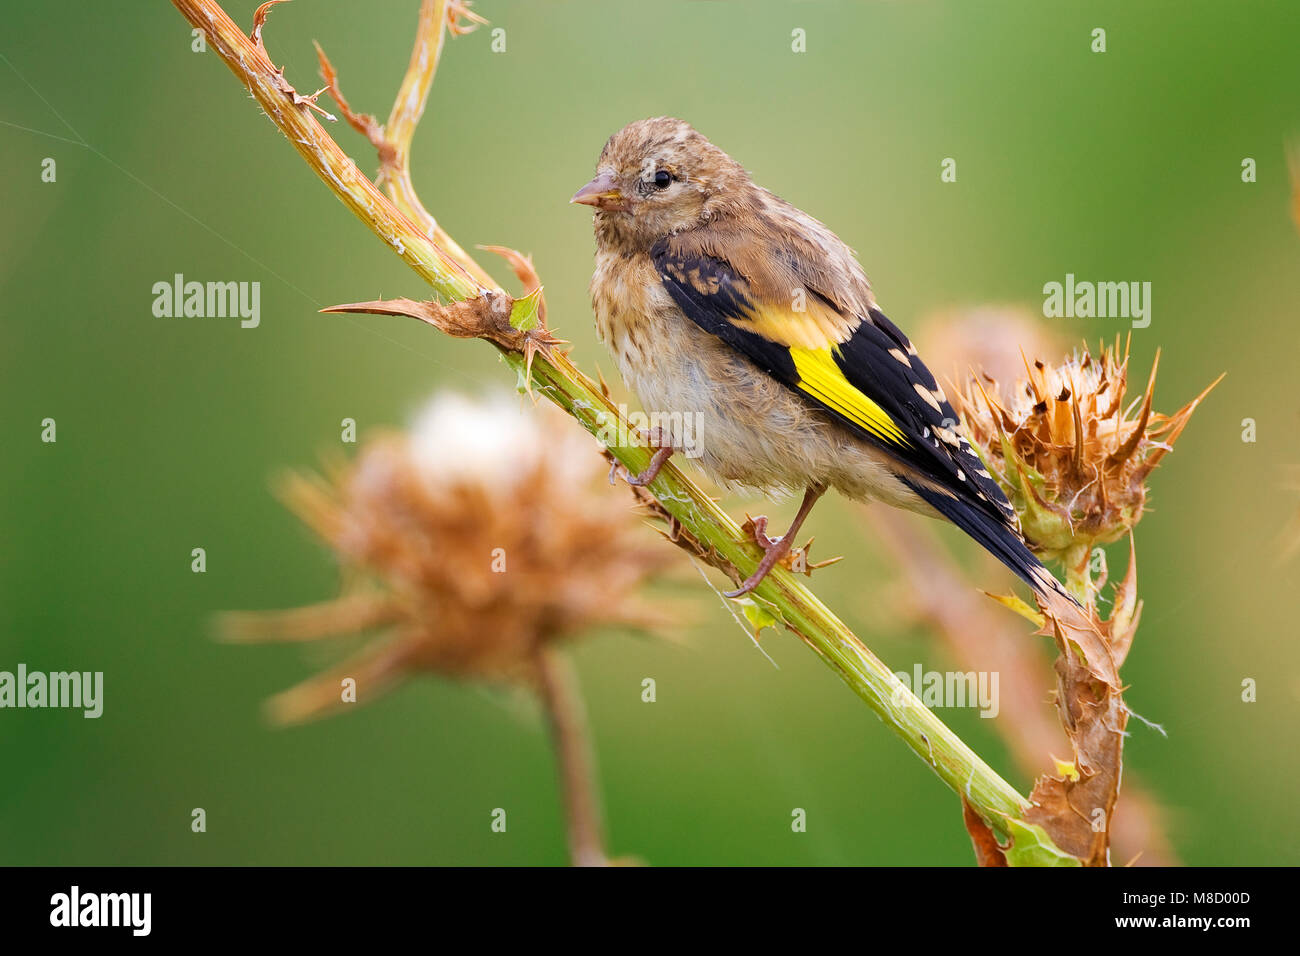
(460, 8)
(310, 103)
(1078, 438)
(259, 19)
(1139, 432)
(1173, 426)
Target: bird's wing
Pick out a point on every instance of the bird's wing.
(836, 350)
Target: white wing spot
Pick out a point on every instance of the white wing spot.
(949, 437)
(927, 397)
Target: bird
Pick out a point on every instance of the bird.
(719, 300)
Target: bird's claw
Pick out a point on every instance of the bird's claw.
(756, 528)
(776, 552)
(656, 439)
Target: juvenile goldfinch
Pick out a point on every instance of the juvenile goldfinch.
(721, 301)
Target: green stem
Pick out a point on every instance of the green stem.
(1078, 577)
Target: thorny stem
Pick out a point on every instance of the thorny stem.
(552, 374)
(974, 630)
(400, 130)
(1094, 736)
(558, 689)
(1078, 577)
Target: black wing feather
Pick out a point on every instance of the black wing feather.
(953, 481)
(718, 297)
(866, 361)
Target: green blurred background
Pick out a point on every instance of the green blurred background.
(1123, 165)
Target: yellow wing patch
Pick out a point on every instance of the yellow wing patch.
(813, 326)
(806, 322)
(821, 378)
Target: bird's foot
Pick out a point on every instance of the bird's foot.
(756, 528)
(662, 443)
(774, 550)
(778, 550)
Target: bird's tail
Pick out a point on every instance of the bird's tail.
(1002, 541)
(1068, 619)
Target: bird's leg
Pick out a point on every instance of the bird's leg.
(776, 549)
(656, 439)
(656, 462)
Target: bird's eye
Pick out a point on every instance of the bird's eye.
(663, 179)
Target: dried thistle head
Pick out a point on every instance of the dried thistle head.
(1070, 449)
(482, 535)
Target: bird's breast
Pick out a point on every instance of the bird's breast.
(739, 424)
(632, 311)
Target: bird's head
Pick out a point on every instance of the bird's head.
(657, 177)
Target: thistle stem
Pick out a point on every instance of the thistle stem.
(1078, 578)
(558, 689)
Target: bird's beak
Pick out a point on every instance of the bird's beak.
(602, 193)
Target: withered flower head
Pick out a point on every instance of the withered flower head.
(1068, 447)
(472, 542)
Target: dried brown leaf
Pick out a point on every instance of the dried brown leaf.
(987, 850)
(363, 123)
(1078, 636)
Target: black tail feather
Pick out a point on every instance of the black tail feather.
(994, 535)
